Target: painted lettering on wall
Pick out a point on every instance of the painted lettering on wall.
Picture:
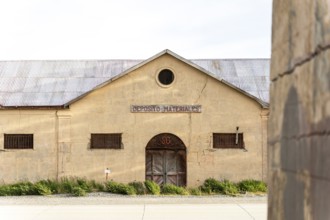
(166, 108)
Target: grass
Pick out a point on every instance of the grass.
(81, 186)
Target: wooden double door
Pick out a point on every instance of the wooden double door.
(166, 160)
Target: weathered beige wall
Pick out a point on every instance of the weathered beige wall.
(107, 110)
(299, 122)
(39, 163)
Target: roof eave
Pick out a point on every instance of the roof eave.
(118, 76)
(43, 107)
(262, 103)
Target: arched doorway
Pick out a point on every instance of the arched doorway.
(166, 160)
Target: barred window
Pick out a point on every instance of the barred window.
(228, 140)
(18, 141)
(106, 141)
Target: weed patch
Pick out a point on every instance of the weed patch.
(152, 187)
(169, 189)
(78, 191)
(120, 188)
(81, 186)
(139, 188)
(252, 186)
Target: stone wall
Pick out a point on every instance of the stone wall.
(299, 123)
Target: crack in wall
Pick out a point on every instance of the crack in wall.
(305, 174)
(277, 140)
(319, 49)
(313, 134)
(201, 92)
(309, 135)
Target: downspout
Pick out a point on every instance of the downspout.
(57, 145)
(236, 138)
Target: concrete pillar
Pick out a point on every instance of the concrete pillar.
(264, 120)
(63, 144)
(299, 123)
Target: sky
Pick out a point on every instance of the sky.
(134, 29)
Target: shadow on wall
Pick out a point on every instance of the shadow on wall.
(305, 154)
(294, 156)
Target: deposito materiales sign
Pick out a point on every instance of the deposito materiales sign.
(166, 108)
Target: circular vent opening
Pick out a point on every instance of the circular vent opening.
(166, 77)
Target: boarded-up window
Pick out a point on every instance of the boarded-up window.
(228, 140)
(18, 141)
(106, 141)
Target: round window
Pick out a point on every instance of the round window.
(166, 77)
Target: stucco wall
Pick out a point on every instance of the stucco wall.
(107, 110)
(28, 164)
(300, 111)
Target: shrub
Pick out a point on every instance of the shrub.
(195, 191)
(97, 187)
(212, 185)
(152, 187)
(23, 188)
(171, 189)
(67, 185)
(47, 187)
(78, 191)
(228, 188)
(120, 188)
(4, 190)
(139, 187)
(42, 189)
(84, 184)
(54, 186)
(252, 186)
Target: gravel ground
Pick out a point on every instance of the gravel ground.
(113, 199)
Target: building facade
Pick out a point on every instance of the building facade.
(167, 119)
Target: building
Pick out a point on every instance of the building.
(166, 118)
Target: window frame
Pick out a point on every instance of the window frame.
(227, 141)
(108, 137)
(22, 141)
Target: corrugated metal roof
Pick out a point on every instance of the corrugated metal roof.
(250, 75)
(56, 83)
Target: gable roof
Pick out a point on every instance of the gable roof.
(60, 83)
